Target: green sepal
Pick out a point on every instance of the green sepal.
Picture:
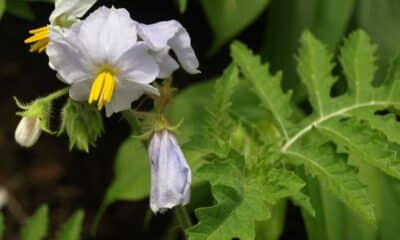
(40, 108)
(82, 123)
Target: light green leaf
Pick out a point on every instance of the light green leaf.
(37, 226)
(314, 67)
(220, 123)
(229, 17)
(266, 86)
(332, 169)
(358, 62)
(242, 198)
(71, 230)
(368, 144)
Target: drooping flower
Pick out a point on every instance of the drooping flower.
(28, 131)
(164, 36)
(170, 173)
(103, 61)
(65, 13)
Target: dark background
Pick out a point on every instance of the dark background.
(49, 172)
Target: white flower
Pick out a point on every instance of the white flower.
(102, 60)
(65, 13)
(70, 10)
(28, 131)
(170, 174)
(163, 36)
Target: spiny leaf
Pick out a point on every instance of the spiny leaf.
(71, 230)
(266, 86)
(36, 227)
(220, 124)
(358, 62)
(314, 67)
(331, 168)
(368, 144)
(242, 198)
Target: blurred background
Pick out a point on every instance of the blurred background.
(50, 173)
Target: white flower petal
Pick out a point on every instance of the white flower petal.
(125, 93)
(171, 34)
(167, 64)
(28, 131)
(107, 33)
(73, 9)
(137, 65)
(170, 173)
(80, 91)
(67, 59)
(158, 34)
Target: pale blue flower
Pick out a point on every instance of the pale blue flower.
(170, 173)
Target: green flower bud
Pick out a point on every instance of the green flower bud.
(82, 123)
(35, 118)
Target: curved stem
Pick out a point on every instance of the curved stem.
(57, 94)
(183, 217)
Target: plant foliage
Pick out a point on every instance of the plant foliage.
(358, 123)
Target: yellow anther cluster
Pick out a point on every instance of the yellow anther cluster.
(102, 89)
(39, 40)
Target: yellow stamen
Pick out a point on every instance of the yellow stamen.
(40, 39)
(102, 89)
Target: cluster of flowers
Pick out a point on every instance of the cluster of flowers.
(110, 60)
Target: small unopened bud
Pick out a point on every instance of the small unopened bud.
(28, 131)
(170, 173)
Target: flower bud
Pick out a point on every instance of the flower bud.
(170, 173)
(28, 131)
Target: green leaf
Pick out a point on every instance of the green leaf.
(367, 144)
(182, 4)
(385, 20)
(82, 123)
(37, 226)
(2, 7)
(2, 225)
(327, 19)
(331, 168)
(242, 198)
(273, 228)
(220, 123)
(358, 62)
(131, 176)
(362, 101)
(266, 86)
(71, 230)
(314, 67)
(20, 9)
(229, 17)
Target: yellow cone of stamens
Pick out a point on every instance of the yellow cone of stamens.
(39, 40)
(102, 89)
